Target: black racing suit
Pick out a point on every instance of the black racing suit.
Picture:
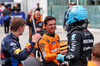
(80, 43)
(11, 53)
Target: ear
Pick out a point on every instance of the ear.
(92, 55)
(40, 15)
(43, 26)
(19, 28)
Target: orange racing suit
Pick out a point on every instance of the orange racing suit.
(49, 45)
(90, 63)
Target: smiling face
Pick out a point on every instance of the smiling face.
(51, 26)
(37, 15)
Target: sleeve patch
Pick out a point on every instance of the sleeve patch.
(17, 51)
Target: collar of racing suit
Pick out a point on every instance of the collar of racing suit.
(15, 37)
(76, 28)
(52, 35)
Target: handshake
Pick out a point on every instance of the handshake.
(60, 57)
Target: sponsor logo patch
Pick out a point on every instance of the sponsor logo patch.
(53, 42)
(88, 41)
(12, 44)
(42, 48)
(73, 36)
(41, 45)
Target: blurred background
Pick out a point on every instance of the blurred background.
(57, 8)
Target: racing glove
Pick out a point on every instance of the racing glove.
(60, 57)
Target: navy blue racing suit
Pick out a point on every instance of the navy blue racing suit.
(11, 53)
(80, 43)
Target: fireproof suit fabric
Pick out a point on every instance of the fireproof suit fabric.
(49, 46)
(11, 53)
(80, 43)
(38, 24)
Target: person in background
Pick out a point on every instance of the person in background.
(38, 7)
(11, 53)
(1, 7)
(80, 39)
(49, 44)
(95, 61)
(36, 26)
(6, 22)
(16, 9)
(65, 17)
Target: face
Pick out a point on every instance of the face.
(51, 26)
(70, 6)
(22, 30)
(37, 15)
(38, 5)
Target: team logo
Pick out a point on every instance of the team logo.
(73, 36)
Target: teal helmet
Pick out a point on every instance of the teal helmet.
(76, 13)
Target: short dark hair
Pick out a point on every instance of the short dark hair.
(16, 22)
(96, 51)
(72, 3)
(37, 3)
(6, 6)
(48, 18)
(36, 10)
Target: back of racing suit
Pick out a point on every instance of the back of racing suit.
(11, 53)
(49, 46)
(80, 43)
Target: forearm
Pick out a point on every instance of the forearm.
(23, 54)
(28, 20)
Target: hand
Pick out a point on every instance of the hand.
(63, 52)
(60, 57)
(38, 29)
(31, 11)
(64, 29)
(36, 37)
(1, 14)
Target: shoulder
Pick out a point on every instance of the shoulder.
(76, 34)
(56, 35)
(8, 43)
(44, 38)
(8, 39)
